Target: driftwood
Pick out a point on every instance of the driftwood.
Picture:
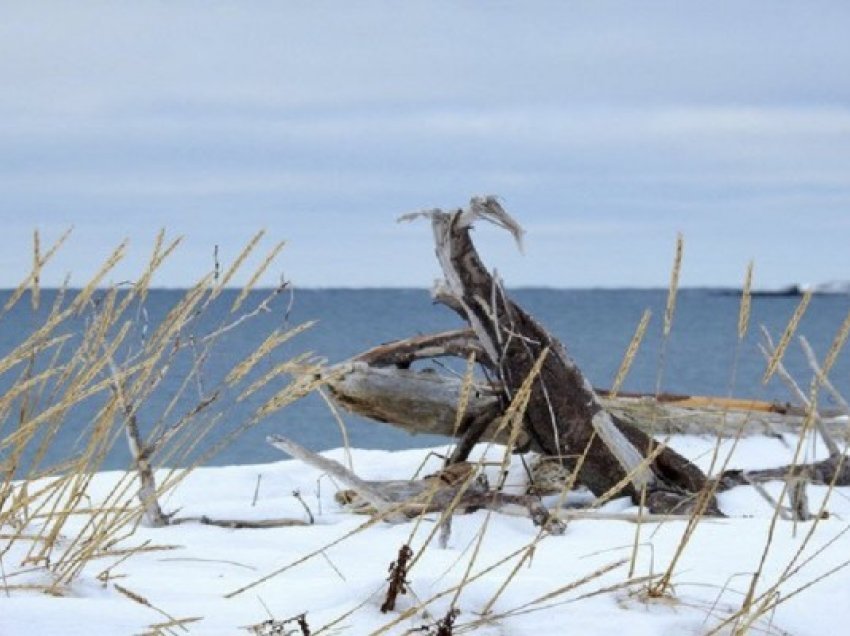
(426, 402)
(384, 506)
(239, 524)
(699, 415)
(563, 417)
(455, 489)
(372, 385)
(607, 440)
(834, 469)
(419, 402)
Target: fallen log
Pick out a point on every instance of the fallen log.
(418, 402)
(427, 401)
(717, 417)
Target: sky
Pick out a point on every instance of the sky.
(605, 127)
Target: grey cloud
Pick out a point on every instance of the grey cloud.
(323, 121)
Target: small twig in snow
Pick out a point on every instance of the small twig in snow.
(397, 578)
(333, 566)
(445, 532)
(297, 495)
(256, 490)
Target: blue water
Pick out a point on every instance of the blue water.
(595, 325)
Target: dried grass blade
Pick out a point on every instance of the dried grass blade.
(674, 285)
(237, 264)
(746, 301)
(19, 291)
(779, 351)
(631, 352)
(256, 276)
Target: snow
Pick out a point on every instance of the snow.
(204, 564)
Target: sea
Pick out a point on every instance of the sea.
(702, 354)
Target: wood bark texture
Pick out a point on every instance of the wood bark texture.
(379, 384)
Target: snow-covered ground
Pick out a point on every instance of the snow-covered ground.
(344, 585)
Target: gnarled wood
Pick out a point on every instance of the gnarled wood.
(564, 416)
(378, 384)
(416, 401)
(458, 343)
(604, 437)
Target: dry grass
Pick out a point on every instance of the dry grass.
(758, 601)
(756, 605)
(631, 353)
(675, 273)
(51, 528)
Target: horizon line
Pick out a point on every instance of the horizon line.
(269, 288)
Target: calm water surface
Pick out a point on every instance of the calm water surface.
(595, 325)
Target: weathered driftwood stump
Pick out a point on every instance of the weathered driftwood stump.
(379, 384)
(563, 417)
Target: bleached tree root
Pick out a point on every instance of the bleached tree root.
(457, 490)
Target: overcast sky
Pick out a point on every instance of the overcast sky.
(605, 127)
